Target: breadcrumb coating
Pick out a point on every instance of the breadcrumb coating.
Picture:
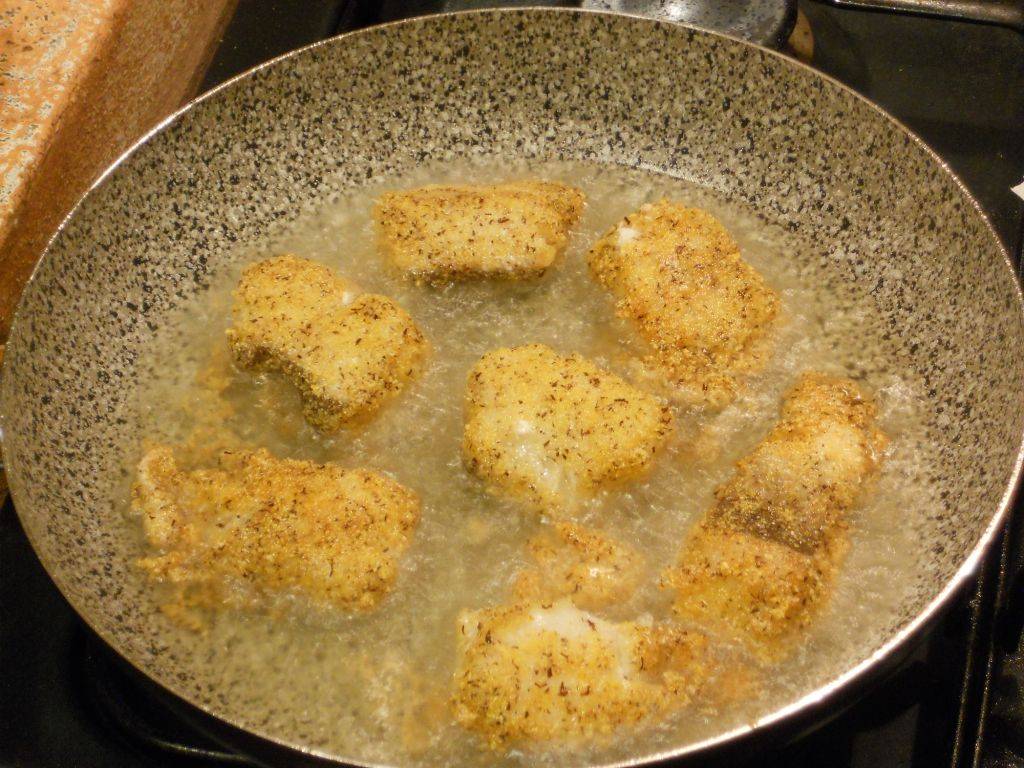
(552, 430)
(439, 233)
(346, 351)
(799, 482)
(749, 590)
(595, 571)
(704, 312)
(541, 671)
(764, 558)
(259, 526)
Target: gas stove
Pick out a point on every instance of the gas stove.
(65, 700)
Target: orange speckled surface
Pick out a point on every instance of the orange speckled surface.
(79, 81)
(43, 46)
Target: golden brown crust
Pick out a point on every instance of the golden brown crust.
(706, 313)
(552, 430)
(751, 590)
(763, 560)
(258, 526)
(541, 671)
(346, 352)
(572, 561)
(441, 232)
(799, 482)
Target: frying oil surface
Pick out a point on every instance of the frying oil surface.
(375, 687)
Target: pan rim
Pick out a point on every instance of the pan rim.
(823, 694)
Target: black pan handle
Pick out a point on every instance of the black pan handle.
(1003, 13)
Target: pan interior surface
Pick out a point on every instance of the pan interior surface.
(910, 265)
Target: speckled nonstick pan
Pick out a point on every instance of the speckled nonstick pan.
(896, 233)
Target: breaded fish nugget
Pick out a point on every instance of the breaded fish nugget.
(750, 590)
(347, 352)
(445, 232)
(809, 470)
(541, 671)
(273, 526)
(552, 430)
(763, 560)
(704, 312)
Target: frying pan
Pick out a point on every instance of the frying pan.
(897, 235)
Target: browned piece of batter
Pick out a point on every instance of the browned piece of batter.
(591, 568)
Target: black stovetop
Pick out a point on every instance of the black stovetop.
(958, 701)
